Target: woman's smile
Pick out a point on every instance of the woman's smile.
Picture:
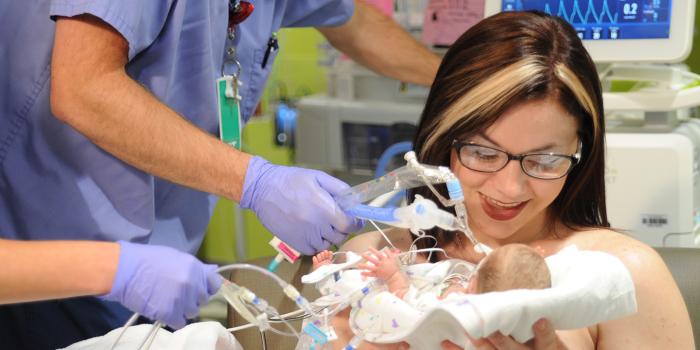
(500, 211)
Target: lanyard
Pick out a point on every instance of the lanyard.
(238, 11)
(228, 85)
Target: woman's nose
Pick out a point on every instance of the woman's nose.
(511, 181)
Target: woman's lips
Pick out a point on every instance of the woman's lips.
(500, 211)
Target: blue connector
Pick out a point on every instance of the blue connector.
(454, 189)
(319, 336)
(272, 267)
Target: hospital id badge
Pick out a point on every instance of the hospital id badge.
(229, 103)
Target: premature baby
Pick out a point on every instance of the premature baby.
(425, 303)
(513, 266)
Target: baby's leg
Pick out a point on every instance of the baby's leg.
(323, 258)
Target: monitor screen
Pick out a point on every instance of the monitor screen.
(606, 20)
(620, 30)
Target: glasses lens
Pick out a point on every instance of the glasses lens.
(482, 158)
(545, 166)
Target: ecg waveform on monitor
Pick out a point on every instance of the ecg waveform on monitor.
(576, 15)
(605, 19)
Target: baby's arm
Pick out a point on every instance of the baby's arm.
(385, 266)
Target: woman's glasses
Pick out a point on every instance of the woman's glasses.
(546, 166)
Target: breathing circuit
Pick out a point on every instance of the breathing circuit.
(422, 213)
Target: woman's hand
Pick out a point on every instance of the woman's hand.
(545, 339)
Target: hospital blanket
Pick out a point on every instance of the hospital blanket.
(588, 287)
(202, 335)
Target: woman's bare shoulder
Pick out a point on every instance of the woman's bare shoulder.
(400, 238)
(666, 324)
(655, 325)
(633, 253)
(617, 243)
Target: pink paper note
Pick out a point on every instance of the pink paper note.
(446, 20)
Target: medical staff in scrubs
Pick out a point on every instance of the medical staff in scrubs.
(108, 124)
(161, 282)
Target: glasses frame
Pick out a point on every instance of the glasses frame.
(575, 158)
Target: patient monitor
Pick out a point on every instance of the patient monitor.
(652, 177)
(620, 30)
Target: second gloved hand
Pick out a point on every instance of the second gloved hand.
(297, 205)
(162, 283)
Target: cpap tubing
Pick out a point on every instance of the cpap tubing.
(409, 176)
(422, 214)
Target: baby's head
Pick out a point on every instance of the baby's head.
(512, 266)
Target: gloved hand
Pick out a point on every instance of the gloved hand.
(297, 205)
(162, 283)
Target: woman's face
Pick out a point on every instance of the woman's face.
(509, 206)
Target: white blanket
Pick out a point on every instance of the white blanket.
(202, 335)
(588, 287)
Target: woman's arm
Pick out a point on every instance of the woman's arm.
(662, 320)
(42, 270)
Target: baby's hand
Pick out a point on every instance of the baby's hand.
(322, 258)
(383, 265)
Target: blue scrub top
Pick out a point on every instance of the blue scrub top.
(55, 183)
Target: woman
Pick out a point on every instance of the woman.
(516, 112)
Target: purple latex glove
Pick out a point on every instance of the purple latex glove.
(162, 283)
(297, 205)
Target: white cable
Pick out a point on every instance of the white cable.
(234, 299)
(151, 336)
(422, 235)
(128, 324)
(422, 250)
(241, 266)
(383, 234)
(240, 328)
(288, 290)
(250, 325)
(279, 332)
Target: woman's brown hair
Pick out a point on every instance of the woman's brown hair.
(501, 62)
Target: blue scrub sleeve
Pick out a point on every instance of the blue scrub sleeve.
(319, 13)
(138, 21)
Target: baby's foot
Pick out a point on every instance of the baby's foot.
(323, 258)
